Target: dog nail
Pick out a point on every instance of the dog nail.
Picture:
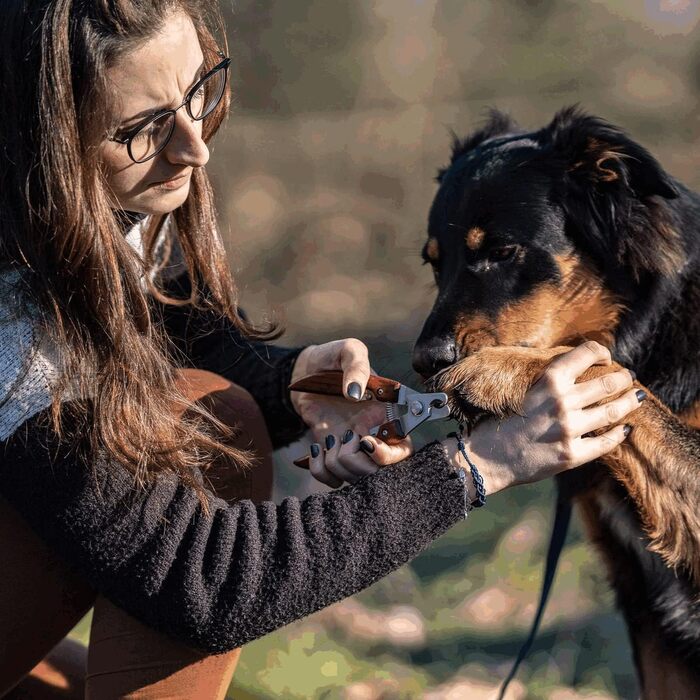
(367, 446)
(355, 391)
(641, 395)
(627, 430)
(315, 450)
(330, 441)
(347, 437)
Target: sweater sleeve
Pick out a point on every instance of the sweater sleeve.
(218, 581)
(207, 341)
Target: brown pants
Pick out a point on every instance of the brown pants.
(42, 598)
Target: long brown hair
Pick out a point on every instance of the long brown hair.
(59, 226)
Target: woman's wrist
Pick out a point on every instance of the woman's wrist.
(494, 478)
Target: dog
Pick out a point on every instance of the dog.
(540, 240)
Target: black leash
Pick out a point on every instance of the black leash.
(560, 528)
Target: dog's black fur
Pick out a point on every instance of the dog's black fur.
(510, 208)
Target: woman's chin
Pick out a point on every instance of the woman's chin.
(160, 202)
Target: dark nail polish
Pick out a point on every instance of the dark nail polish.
(330, 441)
(355, 391)
(315, 449)
(367, 446)
(634, 374)
(347, 437)
(627, 430)
(641, 395)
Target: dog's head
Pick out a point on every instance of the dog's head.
(540, 239)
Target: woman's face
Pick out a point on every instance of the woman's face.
(156, 76)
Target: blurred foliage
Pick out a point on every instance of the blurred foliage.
(324, 172)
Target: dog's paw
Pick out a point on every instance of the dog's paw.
(493, 381)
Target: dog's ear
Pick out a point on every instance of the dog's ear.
(496, 124)
(613, 191)
(599, 154)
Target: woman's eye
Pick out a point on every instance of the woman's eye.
(150, 131)
(502, 253)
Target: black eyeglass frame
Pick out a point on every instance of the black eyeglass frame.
(126, 139)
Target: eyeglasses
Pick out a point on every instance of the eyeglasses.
(149, 138)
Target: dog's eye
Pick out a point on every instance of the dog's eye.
(502, 253)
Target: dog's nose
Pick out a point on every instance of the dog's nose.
(432, 356)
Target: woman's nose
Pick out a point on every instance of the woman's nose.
(186, 146)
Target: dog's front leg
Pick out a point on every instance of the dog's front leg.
(659, 464)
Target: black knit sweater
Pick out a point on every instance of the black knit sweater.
(220, 580)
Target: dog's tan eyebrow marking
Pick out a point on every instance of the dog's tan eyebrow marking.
(475, 237)
(432, 249)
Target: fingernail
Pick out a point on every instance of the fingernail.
(641, 395)
(367, 446)
(634, 374)
(315, 449)
(347, 437)
(330, 441)
(355, 391)
(627, 430)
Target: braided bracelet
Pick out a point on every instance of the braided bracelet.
(476, 476)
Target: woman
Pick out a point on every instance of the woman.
(114, 280)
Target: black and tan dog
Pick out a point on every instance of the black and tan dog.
(541, 239)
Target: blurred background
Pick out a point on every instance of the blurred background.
(325, 172)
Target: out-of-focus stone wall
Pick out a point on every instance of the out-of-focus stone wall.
(342, 115)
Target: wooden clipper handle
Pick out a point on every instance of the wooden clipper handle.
(330, 383)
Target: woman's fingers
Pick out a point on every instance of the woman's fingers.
(318, 469)
(334, 464)
(354, 361)
(590, 392)
(383, 454)
(353, 459)
(597, 417)
(564, 369)
(591, 448)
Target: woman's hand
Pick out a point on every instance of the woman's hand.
(336, 419)
(549, 437)
(331, 414)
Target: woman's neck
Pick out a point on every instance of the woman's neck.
(128, 219)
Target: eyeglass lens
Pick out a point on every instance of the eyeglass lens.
(207, 95)
(155, 134)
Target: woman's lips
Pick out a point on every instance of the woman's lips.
(173, 183)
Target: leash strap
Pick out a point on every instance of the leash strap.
(560, 528)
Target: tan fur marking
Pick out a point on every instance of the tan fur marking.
(432, 249)
(475, 237)
(603, 154)
(578, 307)
(691, 416)
(473, 331)
(669, 254)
